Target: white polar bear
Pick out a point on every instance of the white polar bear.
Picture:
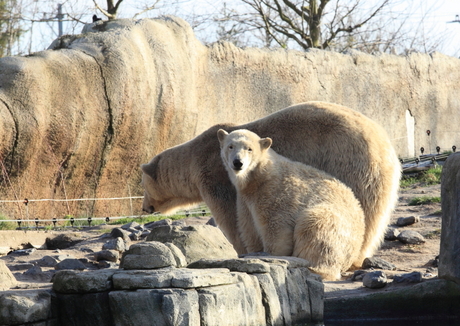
(296, 210)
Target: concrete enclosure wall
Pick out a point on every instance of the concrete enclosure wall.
(78, 119)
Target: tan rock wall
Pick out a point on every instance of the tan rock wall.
(77, 120)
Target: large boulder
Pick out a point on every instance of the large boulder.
(449, 257)
(195, 241)
(24, 307)
(7, 279)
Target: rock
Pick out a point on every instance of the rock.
(178, 223)
(212, 222)
(375, 280)
(69, 281)
(152, 225)
(24, 252)
(195, 241)
(120, 233)
(136, 235)
(449, 260)
(108, 255)
(218, 303)
(270, 300)
(163, 306)
(145, 233)
(254, 254)
(47, 261)
(132, 225)
(146, 262)
(70, 263)
(147, 255)
(377, 263)
(24, 307)
(117, 244)
(20, 266)
(86, 309)
(391, 234)
(7, 280)
(37, 274)
(411, 237)
(107, 264)
(358, 275)
(179, 257)
(62, 241)
(435, 261)
(34, 270)
(177, 278)
(414, 277)
(62, 257)
(247, 265)
(404, 221)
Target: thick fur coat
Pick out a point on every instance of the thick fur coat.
(295, 209)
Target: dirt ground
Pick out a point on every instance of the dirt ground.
(406, 258)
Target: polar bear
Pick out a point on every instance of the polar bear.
(329, 137)
(297, 210)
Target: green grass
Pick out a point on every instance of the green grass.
(427, 178)
(7, 225)
(146, 219)
(80, 222)
(424, 200)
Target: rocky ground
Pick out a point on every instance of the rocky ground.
(406, 257)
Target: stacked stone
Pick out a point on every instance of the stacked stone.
(152, 288)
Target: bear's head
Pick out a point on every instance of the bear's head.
(241, 151)
(163, 191)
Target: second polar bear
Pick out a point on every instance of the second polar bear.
(296, 209)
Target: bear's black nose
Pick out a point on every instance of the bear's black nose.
(237, 164)
(149, 209)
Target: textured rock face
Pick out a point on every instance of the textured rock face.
(449, 257)
(134, 88)
(195, 242)
(277, 291)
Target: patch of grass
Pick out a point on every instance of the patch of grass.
(145, 219)
(7, 225)
(424, 200)
(432, 176)
(427, 178)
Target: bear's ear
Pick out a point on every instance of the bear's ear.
(265, 143)
(151, 169)
(221, 134)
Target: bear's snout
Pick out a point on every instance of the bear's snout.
(149, 209)
(237, 164)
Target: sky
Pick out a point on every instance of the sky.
(436, 15)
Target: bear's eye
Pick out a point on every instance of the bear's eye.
(230, 147)
(249, 149)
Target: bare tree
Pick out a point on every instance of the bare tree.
(10, 26)
(301, 21)
(112, 8)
